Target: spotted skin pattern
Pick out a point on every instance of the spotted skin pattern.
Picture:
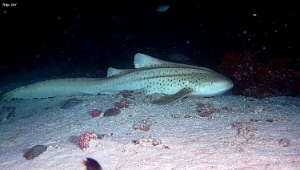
(150, 75)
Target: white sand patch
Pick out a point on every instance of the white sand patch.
(242, 133)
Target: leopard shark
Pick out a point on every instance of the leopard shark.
(150, 75)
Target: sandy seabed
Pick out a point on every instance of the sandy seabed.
(241, 133)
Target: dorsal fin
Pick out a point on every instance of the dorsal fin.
(117, 72)
(145, 61)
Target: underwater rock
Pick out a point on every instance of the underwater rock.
(111, 112)
(71, 103)
(285, 142)
(96, 113)
(122, 104)
(6, 112)
(147, 141)
(35, 152)
(84, 139)
(260, 74)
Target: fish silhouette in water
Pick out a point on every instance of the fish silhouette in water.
(91, 164)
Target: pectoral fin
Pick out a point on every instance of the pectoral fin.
(168, 99)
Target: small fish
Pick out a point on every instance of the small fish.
(163, 8)
(91, 164)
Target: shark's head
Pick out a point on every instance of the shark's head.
(211, 84)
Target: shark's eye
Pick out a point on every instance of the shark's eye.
(211, 83)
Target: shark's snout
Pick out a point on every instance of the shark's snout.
(222, 85)
(215, 85)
